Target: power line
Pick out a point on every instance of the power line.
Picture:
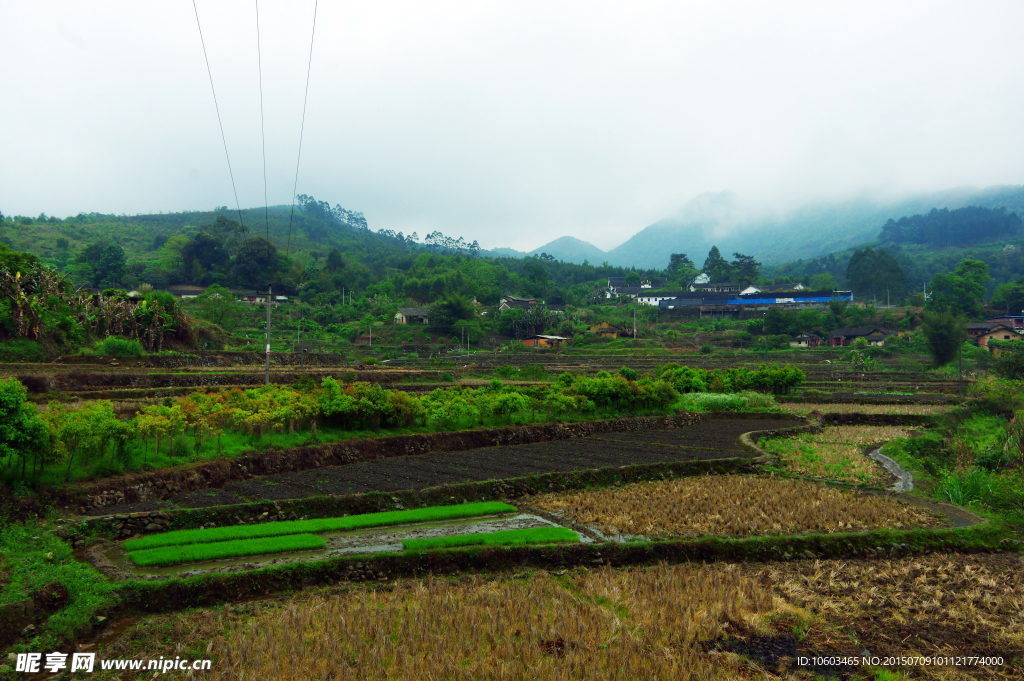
(302, 129)
(223, 139)
(263, 138)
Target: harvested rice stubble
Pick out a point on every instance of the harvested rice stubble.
(732, 505)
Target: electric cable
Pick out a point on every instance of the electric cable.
(223, 139)
(263, 138)
(302, 129)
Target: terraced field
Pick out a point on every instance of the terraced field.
(711, 439)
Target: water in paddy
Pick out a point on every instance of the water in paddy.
(348, 542)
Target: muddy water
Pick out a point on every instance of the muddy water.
(349, 542)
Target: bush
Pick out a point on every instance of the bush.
(998, 395)
(116, 346)
(22, 350)
(629, 374)
(707, 349)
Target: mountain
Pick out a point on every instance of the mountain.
(814, 229)
(571, 249)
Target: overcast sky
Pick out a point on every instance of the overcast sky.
(511, 123)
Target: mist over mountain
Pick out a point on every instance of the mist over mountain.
(723, 219)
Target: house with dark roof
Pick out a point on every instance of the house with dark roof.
(412, 315)
(648, 298)
(720, 287)
(186, 291)
(1016, 322)
(808, 339)
(983, 332)
(872, 334)
(516, 303)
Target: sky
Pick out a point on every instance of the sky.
(510, 123)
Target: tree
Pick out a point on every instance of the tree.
(778, 321)
(256, 262)
(682, 269)
(334, 261)
(112, 266)
(205, 250)
(961, 291)
(22, 432)
(218, 305)
(444, 313)
(875, 273)
(633, 279)
(716, 267)
(945, 333)
(823, 281)
(744, 269)
(1009, 297)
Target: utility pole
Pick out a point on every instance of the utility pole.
(302, 349)
(266, 377)
(960, 361)
(634, 323)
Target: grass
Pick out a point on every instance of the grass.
(32, 557)
(744, 401)
(537, 535)
(316, 525)
(836, 453)
(191, 553)
(732, 505)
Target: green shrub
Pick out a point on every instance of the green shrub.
(22, 350)
(191, 553)
(629, 374)
(538, 535)
(116, 346)
(707, 349)
(745, 401)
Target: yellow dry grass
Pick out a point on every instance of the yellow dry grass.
(640, 624)
(837, 452)
(853, 408)
(933, 605)
(731, 505)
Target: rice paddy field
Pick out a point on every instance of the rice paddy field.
(718, 621)
(836, 453)
(731, 505)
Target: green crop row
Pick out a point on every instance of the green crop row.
(316, 525)
(537, 535)
(172, 555)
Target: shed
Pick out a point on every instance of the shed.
(541, 341)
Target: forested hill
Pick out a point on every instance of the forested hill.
(319, 253)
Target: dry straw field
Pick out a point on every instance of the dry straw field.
(600, 625)
(837, 452)
(731, 505)
(933, 605)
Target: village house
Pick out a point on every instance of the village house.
(412, 315)
(516, 303)
(805, 340)
(773, 288)
(606, 330)
(983, 332)
(186, 291)
(720, 287)
(656, 298)
(1015, 322)
(542, 341)
(872, 334)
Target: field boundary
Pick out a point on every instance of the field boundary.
(214, 588)
(162, 484)
(507, 489)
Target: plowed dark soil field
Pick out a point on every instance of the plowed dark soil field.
(711, 439)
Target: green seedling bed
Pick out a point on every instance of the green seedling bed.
(316, 525)
(191, 553)
(537, 535)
